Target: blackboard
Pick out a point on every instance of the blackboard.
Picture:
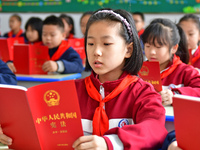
(145, 6)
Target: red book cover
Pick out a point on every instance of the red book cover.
(150, 72)
(186, 121)
(42, 117)
(28, 59)
(6, 49)
(79, 46)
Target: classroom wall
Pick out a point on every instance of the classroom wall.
(4, 18)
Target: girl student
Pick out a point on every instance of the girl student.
(15, 22)
(69, 26)
(118, 108)
(161, 41)
(33, 35)
(84, 19)
(190, 23)
(33, 32)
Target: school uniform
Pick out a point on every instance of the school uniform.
(136, 115)
(68, 60)
(181, 78)
(195, 57)
(12, 35)
(171, 137)
(6, 75)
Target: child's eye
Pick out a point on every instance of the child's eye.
(106, 44)
(90, 44)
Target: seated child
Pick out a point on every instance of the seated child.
(68, 26)
(33, 33)
(6, 75)
(64, 59)
(161, 41)
(15, 26)
(190, 23)
(84, 19)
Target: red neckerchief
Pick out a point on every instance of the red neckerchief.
(36, 43)
(195, 58)
(10, 34)
(140, 32)
(71, 36)
(61, 49)
(100, 119)
(176, 62)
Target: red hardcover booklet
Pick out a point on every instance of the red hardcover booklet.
(150, 72)
(42, 117)
(79, 46)
(28, 59)
(186, 121)
(6, 49)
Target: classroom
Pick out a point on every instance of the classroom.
(128, 81)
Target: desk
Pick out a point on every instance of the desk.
(169, 121)
(32, 80)
(3, 147)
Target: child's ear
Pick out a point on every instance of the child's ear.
(174, 49)
(129, 50)
(63, 35)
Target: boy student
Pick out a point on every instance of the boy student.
(139, 22)
(63, 58)
(15, 22)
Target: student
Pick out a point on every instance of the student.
(33, 33)
(139, 22)
(15, 26)
(131, 115)
(84, 19)
(6, 75)
(161, 39)
(68, 26)
(190, 23)
(64, 59)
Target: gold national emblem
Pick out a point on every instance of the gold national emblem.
(52, 98)
(144, 71)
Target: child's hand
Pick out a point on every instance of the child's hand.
(166, 97)
(90, 142)
(4, 139)
(174, 146)
(11, 66)
(50, 66)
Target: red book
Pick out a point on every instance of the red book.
(150, 72)
(79, 47)
(28, 59)
(186, 121)
(6, 49)
(42, 117)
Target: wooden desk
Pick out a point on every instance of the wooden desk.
(32, 80)
(169, 121)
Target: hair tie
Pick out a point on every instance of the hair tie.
(128, 26)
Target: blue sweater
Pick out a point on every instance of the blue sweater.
(6, 75)
(70, 59)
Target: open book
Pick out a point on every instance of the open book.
(150, 72)
(186, 121)
(45, 116)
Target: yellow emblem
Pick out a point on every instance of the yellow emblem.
(144, 71)
(52, 98)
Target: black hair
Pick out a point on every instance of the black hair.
(36, 24)
(17, 16)
(53, 20)
(69, 21)
(140, 14)
(86, 13)
(182, 51)
(192, 17)
(165, 32)
(134, 63)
